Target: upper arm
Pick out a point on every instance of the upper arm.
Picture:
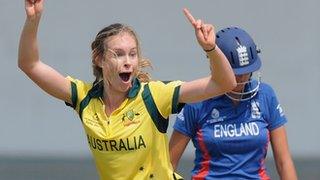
(177, 145)
(199, 90)
(281, 153)
(165, 96)
(50, 81)
(279, 143)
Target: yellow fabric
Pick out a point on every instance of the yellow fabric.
(127, 145)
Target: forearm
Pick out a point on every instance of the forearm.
(287, 171)
(221, 71)
(28, 54)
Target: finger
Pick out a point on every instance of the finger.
(199, 24)
(28, 3)
(205, 31)
(189, 16)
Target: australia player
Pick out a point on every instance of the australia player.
(124, 114)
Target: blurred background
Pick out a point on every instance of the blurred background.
(41, 138)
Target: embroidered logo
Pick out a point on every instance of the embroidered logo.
(255, 111)
(243, 55)
(180, 116)
(215, 115)
(279, 108)
(128, 118)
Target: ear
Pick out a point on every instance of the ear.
(98, 61)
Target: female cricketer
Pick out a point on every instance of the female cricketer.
(124, 114)
(231, 132)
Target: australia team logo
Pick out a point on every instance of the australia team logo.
(128, 118)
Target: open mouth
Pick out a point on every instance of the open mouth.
(125, 76)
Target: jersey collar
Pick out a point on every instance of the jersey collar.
(97, 89)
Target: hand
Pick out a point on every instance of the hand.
(33, 8)
(204, 32)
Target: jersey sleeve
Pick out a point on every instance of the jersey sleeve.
(186, 121)
(276, 117)
(79, 90)
(166, 96)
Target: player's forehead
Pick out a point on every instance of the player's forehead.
(120, 41)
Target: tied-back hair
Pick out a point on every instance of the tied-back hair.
(98, 48)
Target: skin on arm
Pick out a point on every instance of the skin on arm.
(222, 78)
(29, 62)
(177, 145)
(281, 153)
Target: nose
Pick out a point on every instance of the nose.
(240, 78)
(127, 62)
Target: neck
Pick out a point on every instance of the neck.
(112, 99)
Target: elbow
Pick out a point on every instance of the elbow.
(233, 83)
(25, 65)
(229, 84)
(22, 66)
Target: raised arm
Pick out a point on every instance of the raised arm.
(29, 62)
(222, 78)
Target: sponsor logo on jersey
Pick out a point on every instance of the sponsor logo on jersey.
(180, 116)
(126, 144)
(215, 115)
(255, 110)
(243, 55)
(128, 118)
(279, 108)
(236, 130)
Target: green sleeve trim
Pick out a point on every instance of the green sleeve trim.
(160, 122)
(74, 96)
(175, 99)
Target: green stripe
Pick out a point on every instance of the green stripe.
(95, 92)
(160, 122)
(74, 94)
(175, 99)
(84, 103)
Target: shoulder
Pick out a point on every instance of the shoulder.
(266, 89)
(82, 86)
(200, 106)
(163, 83)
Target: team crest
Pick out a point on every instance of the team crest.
(243, 55)
(255, 110)
(215, 117)
(128, 118)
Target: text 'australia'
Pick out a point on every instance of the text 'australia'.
(127, 144)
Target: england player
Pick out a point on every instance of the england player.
(124, 115)
(231, 132)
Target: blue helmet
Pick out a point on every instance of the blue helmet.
(240, 50)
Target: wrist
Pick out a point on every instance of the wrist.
(212, 49)
(211, 52)
(33, 18)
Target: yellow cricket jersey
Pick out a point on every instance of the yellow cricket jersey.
(131, 143)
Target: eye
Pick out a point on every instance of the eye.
(120, 53)
(133, 54)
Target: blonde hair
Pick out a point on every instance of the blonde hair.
(98, 49)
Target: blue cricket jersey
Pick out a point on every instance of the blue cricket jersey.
(231, 141)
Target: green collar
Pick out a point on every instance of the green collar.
(97, 90)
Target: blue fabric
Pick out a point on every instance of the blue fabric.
(231, 141)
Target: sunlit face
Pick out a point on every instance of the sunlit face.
(240, 81)
(120, 62)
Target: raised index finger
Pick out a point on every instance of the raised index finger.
(189, 16)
